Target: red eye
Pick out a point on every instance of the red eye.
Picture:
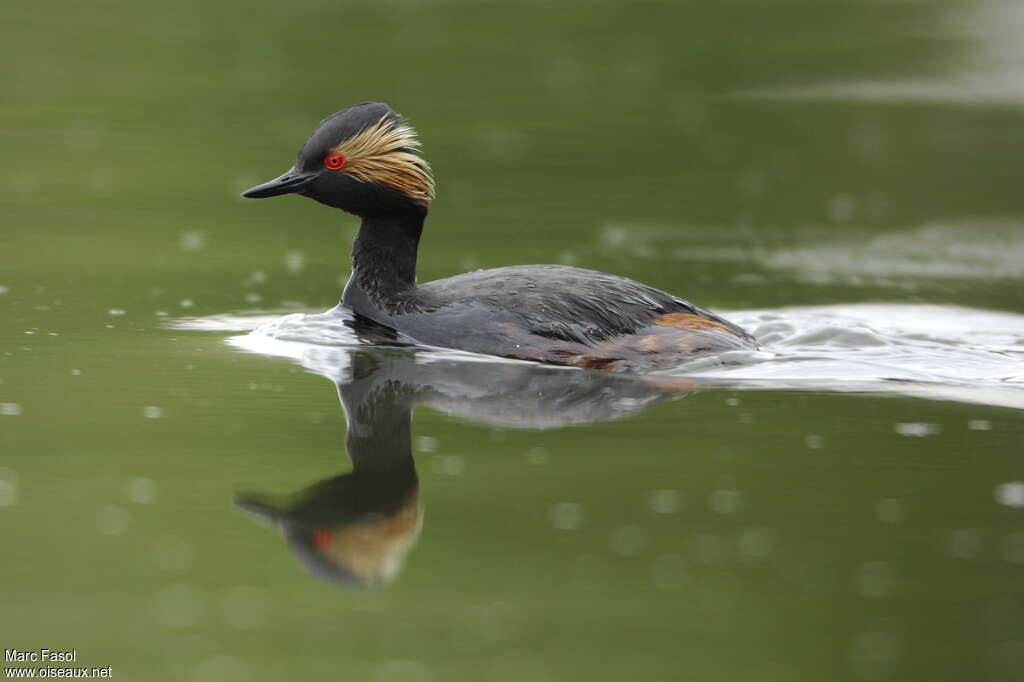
(333, 161)
(322, 538)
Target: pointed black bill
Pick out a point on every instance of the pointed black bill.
(291, 182)
(260, 508)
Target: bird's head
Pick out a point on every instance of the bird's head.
(363, 160)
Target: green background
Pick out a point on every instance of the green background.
(686, 144)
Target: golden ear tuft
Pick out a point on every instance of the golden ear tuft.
(386, 153)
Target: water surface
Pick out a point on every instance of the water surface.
(846, 505)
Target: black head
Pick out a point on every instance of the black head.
(353, 529)
(362, 160)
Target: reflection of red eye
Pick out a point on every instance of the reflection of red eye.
(322, 538)
(333, 161)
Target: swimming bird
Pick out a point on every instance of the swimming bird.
(366, 160)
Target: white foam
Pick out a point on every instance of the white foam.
(318, 341)
(943, 352)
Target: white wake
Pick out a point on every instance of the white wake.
(932, 351)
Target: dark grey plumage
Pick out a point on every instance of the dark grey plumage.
(561, 302)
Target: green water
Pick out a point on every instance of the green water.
(727, 535)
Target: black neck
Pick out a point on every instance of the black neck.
(384, 257)
(379, 438)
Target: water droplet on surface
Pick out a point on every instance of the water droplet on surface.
(186, 303)
(1010, 494)
(665, 501)
(295, 262)
(141, 490)
(726, 502)
(917, 429)
(450, 465)
(400, 670)
(615, 236)
(8, 487)
(193, 240)
(116, 312)
(754, 544)
(979, 425)
(814, 442)
(255, 277)
(963, 543)
(890, 510)
(152, 412)
(567, 515)
(427, 444)
(627, 540)
(537, 455)
(876, 579)
(841, 208)
(112, 520)
(10, 409)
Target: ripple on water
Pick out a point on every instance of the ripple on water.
(941, 352)
(966, 249)
(945, 352)
(989, 74)
(950, 250)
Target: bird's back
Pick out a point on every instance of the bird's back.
(567, 316)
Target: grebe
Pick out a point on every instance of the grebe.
(365, 160)
(355, 529)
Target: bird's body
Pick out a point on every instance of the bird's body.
(553, 314)
(546, 313)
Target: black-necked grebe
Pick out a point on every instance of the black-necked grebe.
(364, 160)
(355, 529)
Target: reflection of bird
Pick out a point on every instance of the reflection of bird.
(364, 160)
(356, 528)
(343, 532)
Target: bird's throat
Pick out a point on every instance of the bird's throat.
(384, 262)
